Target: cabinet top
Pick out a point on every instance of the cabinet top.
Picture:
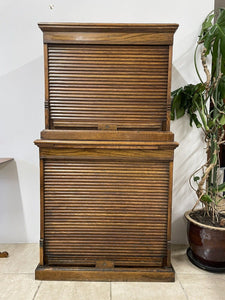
(101, 33)
(109, 27)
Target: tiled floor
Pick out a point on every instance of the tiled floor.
(17, 281)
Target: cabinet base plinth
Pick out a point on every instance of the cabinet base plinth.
(166, 274)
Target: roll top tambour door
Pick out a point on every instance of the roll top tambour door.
(109, 210)
(123, 86)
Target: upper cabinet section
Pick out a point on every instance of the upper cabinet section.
(107, 76)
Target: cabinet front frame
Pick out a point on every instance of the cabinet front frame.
(124, 155)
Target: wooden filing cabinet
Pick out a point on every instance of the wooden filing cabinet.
(106, 154)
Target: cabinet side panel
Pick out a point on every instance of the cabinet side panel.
(47, 124)
(41, 211)
(169, 88)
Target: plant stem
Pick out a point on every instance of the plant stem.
(195, 63)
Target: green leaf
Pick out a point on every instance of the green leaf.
(214, 55)
(194, 118)
(206, 198)
(221, 18)
(196, 178)
(222, 45)
(220, 24)
(172, 117)
(223, 65)
(187, 99)
(206, 25)
(175, 103)
(211, 123)
(209, 38)
(180, 111)
(221, 187)
(221, 87)
(177, 110)
(177, 91)
(222, 120)
(208, 22)
(211, 34)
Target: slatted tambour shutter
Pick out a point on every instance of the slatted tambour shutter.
(121, 85)
(109, 210)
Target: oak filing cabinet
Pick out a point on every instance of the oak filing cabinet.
(106, 154)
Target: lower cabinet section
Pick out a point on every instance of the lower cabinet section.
(105, 213)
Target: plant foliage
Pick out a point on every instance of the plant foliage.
(204, 104)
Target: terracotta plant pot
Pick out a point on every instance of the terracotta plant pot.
(207, 245)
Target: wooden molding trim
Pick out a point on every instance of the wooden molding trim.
(108, 27)
(105, 144)
(119, 274)
(110, 135)
(78, 33)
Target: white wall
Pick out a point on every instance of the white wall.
(22, 97)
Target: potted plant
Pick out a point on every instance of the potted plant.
(205, 104)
